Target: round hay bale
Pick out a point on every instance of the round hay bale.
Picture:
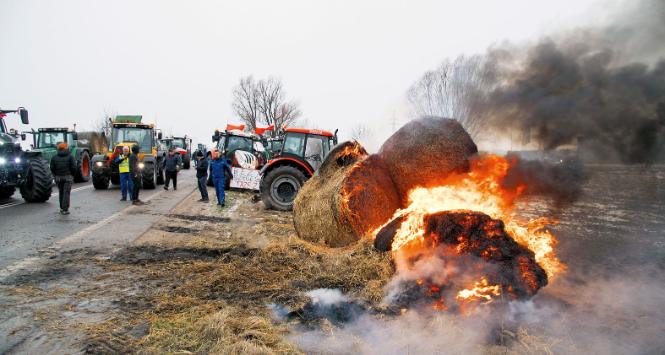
(425, 151)
(349, 196)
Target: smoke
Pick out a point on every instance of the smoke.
(600, 88)
(561, 181)
(616, 315)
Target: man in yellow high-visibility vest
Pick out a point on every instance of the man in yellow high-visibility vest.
(123, 168)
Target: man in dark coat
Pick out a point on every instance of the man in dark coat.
(171, 166)
(63, 167)
(202, 175)
(135, 172)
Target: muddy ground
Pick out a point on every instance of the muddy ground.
(202, 279)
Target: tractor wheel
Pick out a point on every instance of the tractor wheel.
(7, 192)
(280, 186)
(38, 183)
(160, 176)
(186, 161)
(83, 168)
(209, 181)
(115, 179)
(100, 181)
(149, 176)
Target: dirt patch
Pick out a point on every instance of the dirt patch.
(216, 219)
(146, 254)
(178, 229)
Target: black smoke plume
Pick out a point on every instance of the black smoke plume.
(602, 89)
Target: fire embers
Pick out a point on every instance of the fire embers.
(463, 259)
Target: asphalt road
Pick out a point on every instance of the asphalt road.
(98, 219)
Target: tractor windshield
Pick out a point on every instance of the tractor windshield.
(50, 139)
(179, 143)
(140, 136)
(239, 143)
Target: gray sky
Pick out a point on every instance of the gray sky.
(176, 62)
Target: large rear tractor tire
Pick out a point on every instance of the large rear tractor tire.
(7, 192)
(100, 181)
(280, 186)
(186, 161)
(38, 184)
(149, 176)
(83, 168)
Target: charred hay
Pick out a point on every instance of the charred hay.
(351, 195)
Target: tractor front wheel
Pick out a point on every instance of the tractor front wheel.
(149, 176)
(280, 186)
(83, 168)
(38, 183)
(7, 192)
(100, 181)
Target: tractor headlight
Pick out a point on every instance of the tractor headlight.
(17, 160)
(99, 164)
(3, 161)
(141, 165)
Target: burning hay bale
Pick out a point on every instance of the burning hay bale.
(494, 255)
(351, 195)
(425, 151)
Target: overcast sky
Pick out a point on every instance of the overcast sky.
(176, 62)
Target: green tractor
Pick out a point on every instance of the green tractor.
(46, 139)
(26, 170)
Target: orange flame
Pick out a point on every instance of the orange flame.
(481, 291)
(479, 190)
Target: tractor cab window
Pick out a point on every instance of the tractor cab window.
(314, 151)
(140, 136)
(239, 143)
(178, 143)
(276, 146)
(294, 143)
(50, 139)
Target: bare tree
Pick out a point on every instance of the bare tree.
(454, 89)
(103, 124)
(246, 101)
(360, 133)
(264, 101)
(273, 106)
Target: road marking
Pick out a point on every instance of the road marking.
(29, 261)
(22, 202)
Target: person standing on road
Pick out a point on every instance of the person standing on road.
(171, 166)
(125, 178)
(63, 167)
(135, 172)
(218, 168)
(202, 175)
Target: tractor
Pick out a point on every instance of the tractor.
(182, 146)
(243, 150)
(27, 170)
(46, 139)
(301, 154)
(129, 131)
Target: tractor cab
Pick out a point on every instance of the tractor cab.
(302, 152)
(242, 149)
(46, 139)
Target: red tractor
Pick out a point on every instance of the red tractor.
(301, 154)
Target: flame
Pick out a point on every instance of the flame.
(479, 190)
(481, 291)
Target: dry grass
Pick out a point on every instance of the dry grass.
(220, 304)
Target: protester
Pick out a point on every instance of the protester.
(63, 167)
(218, 168)
(171, 165)
(135, 172)
(123, 167)
(202, 175)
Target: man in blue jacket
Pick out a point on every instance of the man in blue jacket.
(218, 168)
